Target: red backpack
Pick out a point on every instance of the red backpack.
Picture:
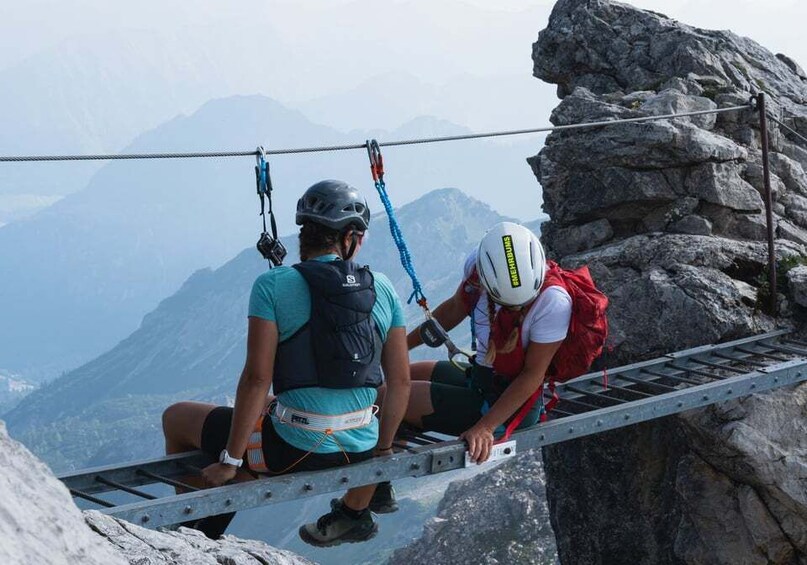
(588, 330)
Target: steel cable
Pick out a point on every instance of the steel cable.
(330, 148)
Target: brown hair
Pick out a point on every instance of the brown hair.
(315, 238)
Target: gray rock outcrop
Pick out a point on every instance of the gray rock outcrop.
(496, 517)
(40, 524)
(669, 215)
(38, 521)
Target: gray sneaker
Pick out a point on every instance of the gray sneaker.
(383, 501)
(336, 527)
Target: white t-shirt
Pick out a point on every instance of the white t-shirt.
(546, 322)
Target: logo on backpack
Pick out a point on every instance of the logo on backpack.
(351, 281)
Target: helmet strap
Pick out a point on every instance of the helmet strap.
(354, 241)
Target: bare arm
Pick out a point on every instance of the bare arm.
(480, 436)
(250, 397)
(395, 362)
(450, 313)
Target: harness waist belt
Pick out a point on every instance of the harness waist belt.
(322, 422)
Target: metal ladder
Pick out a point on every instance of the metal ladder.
(636, 393)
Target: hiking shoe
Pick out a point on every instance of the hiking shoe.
(336, 527)
(383, 501)
(212, 526)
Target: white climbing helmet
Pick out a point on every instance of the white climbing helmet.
(511, 264)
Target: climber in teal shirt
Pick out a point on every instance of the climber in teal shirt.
(323, 334)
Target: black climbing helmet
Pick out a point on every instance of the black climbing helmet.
(334, 204)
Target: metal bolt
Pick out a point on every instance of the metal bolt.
(308, 486)
(571, 430)
(706, 397)
(415, 466)
(379, 473)
(680, 404)
(507, 451)
(599, 422)
(542, 437)
(145, 518)
(627, 416)
(343, 480)
(753, 385)
(187, 510)
(267, 494)
(729, 391)
(228, 502)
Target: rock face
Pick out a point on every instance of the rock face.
(38, 521)
(670, 218)
(185, 546)
(495, 517)
(40, 524)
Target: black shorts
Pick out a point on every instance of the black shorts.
(278, 454)
(460, 397)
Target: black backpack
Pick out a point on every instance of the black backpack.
(340, 346)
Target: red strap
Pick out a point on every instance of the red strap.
(555, 398)
(522, 413)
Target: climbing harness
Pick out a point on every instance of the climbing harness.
(269, 246)
(327, 424)
(314, 422)
(433, 334)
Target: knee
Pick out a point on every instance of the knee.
(422, 371)
(173, 415)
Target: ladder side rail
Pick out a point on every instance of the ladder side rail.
(450, 455)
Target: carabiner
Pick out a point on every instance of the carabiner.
(454, 352)
(262, 171)
(376, 160)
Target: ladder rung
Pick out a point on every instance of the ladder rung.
(696, 371)
(668, 376)
(125, 488)
(795, 342)
(573, 388)
(166, 480)
(630, 391)
(581, 403)
(787, 349)
(746, 360)
(91, 498)
(647, 382)
(760, 354)
(723, 366)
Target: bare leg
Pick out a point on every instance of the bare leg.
(182, 427)
(422, 370)
(420, 403)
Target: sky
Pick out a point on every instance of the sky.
(348, 64)
(418, 46)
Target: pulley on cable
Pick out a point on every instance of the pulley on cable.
(268, 245)
(431, 332)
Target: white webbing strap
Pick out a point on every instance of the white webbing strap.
(323, 422)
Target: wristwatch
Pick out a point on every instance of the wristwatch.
(225, 458)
